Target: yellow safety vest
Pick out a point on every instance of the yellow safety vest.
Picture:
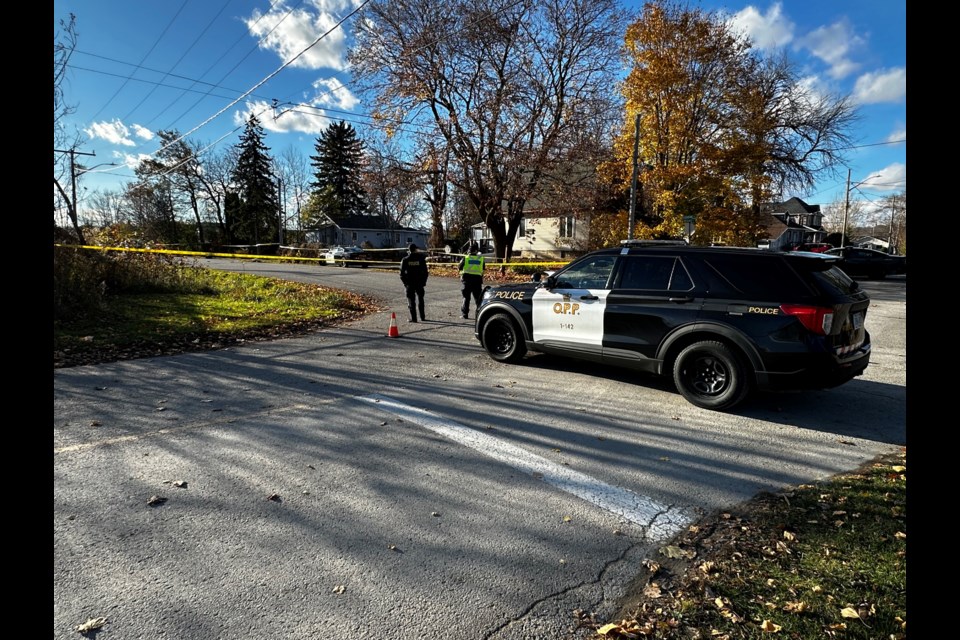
(473, 265)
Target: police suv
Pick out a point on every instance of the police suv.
(720, 321)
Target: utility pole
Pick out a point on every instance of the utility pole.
(846, 210)
(633, 180)
(72, 205)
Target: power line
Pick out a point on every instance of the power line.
(180, 59)
(266, 78)
(142, 60)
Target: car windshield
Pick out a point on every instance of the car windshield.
(590, 273)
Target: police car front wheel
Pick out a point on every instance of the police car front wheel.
(710, 375)
(502, 339)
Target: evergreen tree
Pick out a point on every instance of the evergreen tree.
(338, 168)
(257, 217)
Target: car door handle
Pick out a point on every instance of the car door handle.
(589, 298)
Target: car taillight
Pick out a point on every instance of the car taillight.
(817, 319)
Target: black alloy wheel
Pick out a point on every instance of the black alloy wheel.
(502, 339)
(710, 375)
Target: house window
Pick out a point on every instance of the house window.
(353, 236)
(523, 228)
(566, 227)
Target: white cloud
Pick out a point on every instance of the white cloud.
(289, 32)
(898, 135)
(114, 132)
(284, 118)
(893, 177)
(131, 160)
(833, 44)
(333, 93)
(766, 31)
(309, 117)
(881, 86)
(142, 132)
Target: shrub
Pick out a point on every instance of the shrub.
(82, 278)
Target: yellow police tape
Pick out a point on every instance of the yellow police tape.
(322, 259)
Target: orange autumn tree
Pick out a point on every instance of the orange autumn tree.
(721, 128)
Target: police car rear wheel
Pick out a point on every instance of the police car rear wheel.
(710, 375)
(502, 339)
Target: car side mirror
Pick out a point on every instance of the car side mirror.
(549, 283)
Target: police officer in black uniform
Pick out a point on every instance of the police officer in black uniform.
(413, 275)
(471, 279)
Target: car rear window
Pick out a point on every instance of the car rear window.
(836, 280)
(759, 276)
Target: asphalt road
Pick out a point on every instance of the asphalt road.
(350, 485)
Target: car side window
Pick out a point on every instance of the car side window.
(655, 273)
(589, 274)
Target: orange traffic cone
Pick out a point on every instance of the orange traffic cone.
(393, 331)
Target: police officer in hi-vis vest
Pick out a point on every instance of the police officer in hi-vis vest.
(471, 279)
(413, 275)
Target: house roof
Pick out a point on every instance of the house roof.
(364, 222)
(792, 206)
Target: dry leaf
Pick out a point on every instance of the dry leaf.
(567, 518)
(795, 607)
(719, 603)
(675, 552)
(339, 588)
(156, 500)
(274, 497)
(91, 625)
(182, 484)
(770, 627)
(849, 612)
(789, 536)
(652, 590)
(900, 534)
(898, 468)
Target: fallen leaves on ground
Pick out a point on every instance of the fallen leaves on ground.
(92, 625)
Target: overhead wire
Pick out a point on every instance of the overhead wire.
(179, 60)
(142, 60)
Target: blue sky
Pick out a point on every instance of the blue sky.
(201, 67)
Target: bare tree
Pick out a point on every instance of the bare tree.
(64, 44)
(292, 169)
(106, 208)
(392, 189)
(65, 145)
(214, 184)
(505, 83)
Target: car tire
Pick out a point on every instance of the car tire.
(503, 340)
(710, 375)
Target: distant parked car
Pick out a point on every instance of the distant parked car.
(857, 262)
(346, 256)
(815, 247)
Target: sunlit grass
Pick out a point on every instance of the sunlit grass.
(210, 305)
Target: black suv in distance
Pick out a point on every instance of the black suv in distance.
(720, 321)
